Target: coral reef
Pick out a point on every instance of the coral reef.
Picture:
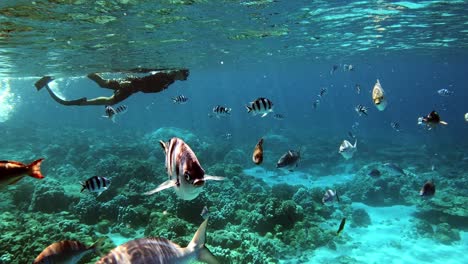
(360, 218)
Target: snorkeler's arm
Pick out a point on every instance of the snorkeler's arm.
(103, 83)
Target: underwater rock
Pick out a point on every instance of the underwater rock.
(226, 239)
(236, 156)
(283, 191)
(103, 226)
(51, 197)
(423, 228)
(445, 234)
(360, 218)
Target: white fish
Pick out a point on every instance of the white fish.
(220, 111)
(261, 106)
(444, 92)
(161, 250)
(330, 196)
(378, 96)
(186, 175)
(347, 149)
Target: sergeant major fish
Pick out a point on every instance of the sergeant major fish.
(261, 106)
(161, 250)
(186, 175)
(111, 112)
(96, 184)
(220, 111)
(289, 159)
(180, 99)
(13, 171)
(67, 252)
(347, 149)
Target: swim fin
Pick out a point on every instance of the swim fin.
(43, 82)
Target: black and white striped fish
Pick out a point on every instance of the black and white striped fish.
(186, 175)
(361, 110)
(323, 92)
(162, 250)
(180, 99)
(221, 111)
(96, 184)
(261, 106)
(111, 112)
(395, 126)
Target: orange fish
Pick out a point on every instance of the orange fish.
(67, 252)
(13, 171)
(257, 156)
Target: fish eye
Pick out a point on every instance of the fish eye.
(187, 176)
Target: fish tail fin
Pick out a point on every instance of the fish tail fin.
(162, 186)
(35, 169)
(205, 255)
(83, 186)
(198, 243)
(98, 245)
(249, 109)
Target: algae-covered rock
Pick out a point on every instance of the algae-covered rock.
(360, 218)
(445, 234)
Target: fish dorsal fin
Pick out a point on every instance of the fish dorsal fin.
(198, 245)
(163, 145)
(355, 143)
(198, 239)
(290, 153)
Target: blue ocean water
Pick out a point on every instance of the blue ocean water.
(260, 214)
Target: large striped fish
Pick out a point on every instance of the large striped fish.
(185, 172)
(261, 106)
(161, 251)
(67, 252)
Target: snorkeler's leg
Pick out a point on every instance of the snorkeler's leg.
(64, 102)
(103, 83)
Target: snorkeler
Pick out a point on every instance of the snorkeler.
(123, 88)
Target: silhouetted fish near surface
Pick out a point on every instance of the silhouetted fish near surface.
(13, 171)
(111, 112)
(342, 224)
(428, 189)
(316, 104)
(395, 168)
(257, 156)
(161, 251)
(375, 173)
(67, 252)
(289, 160)
(261, 106)
(186, 175)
